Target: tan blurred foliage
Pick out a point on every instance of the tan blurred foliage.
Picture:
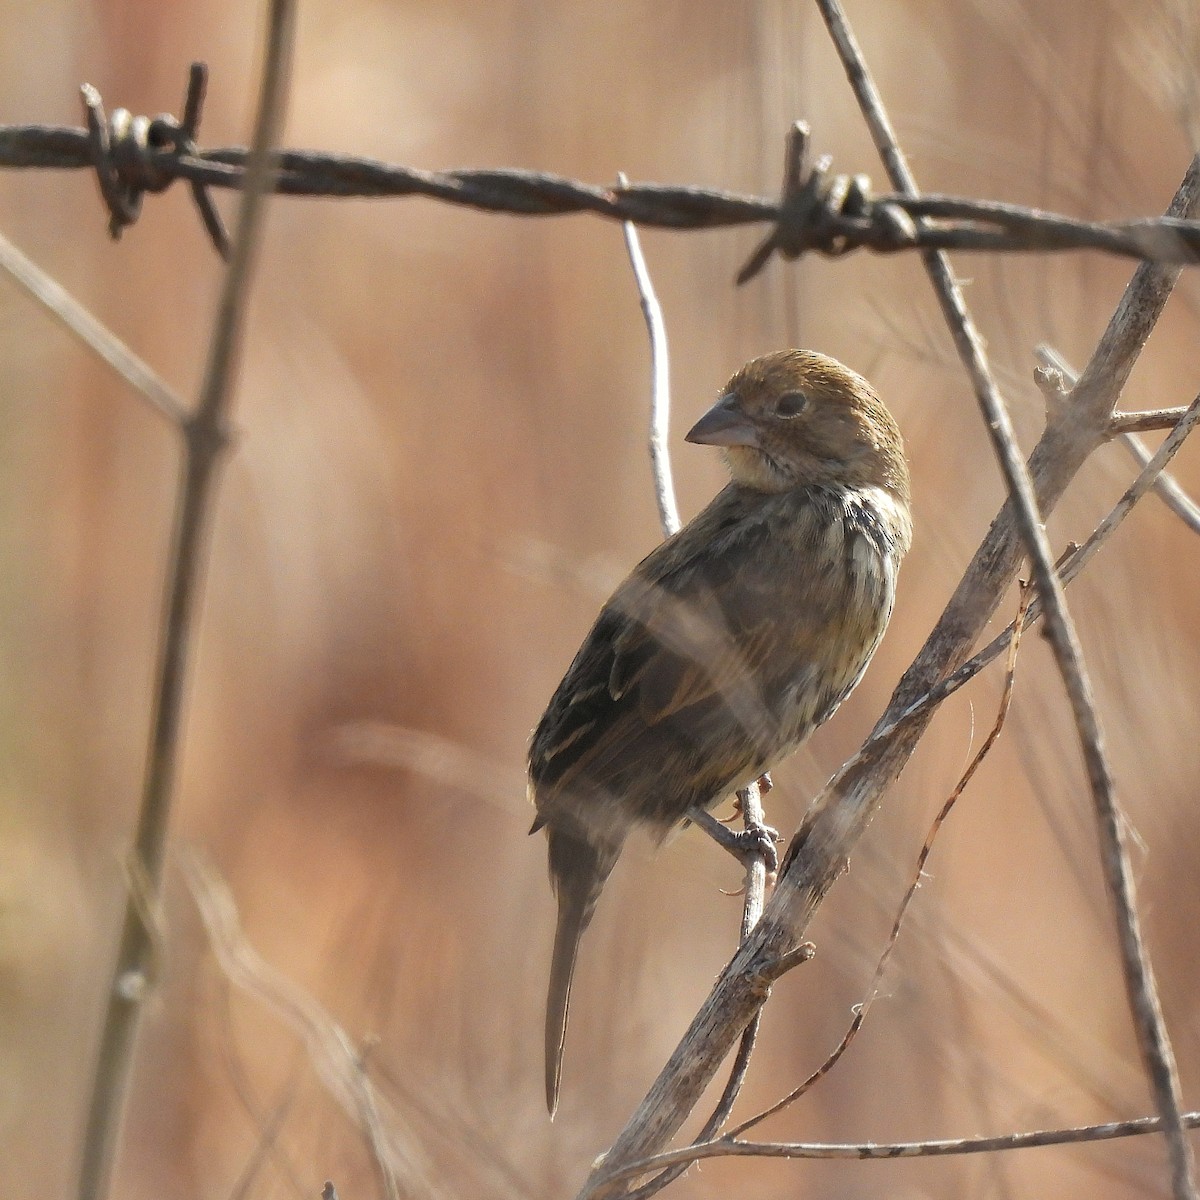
(440, 471)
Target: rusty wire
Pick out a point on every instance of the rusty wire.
(818, 210)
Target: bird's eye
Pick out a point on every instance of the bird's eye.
(791, 404)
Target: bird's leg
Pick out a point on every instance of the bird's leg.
(758, 840)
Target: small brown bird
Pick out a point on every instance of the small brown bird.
(732, 641)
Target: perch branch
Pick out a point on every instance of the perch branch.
(861, 1010)
(751, 796)
(842, 811)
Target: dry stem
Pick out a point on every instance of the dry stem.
(204, 439)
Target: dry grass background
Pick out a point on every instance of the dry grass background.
(440, 472)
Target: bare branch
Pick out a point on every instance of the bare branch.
(1153, 1038)
(1136, 490)
(1070, 568)
(727, 1147)
(1142, 422)
(1175, 498)
(861, 1010)
(1171, 494)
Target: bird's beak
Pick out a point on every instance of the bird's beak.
(725, 424)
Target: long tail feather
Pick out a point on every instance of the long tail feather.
(579, 869)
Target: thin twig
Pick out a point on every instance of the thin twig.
(1069, 570)
(750, 803)
(1124, 426)
(60, 303)
(1153, 1038)
(750, 797)
(1151, 472)
(726, 1147)
(1172, 495)
(755, 887)
(660, 386)
(204, 439)
(1144, 422)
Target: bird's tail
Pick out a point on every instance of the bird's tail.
(578, 868)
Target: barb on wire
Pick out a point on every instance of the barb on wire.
(181, 136)
(818, 211)
(124, 151)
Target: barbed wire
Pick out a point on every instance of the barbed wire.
(818, 210)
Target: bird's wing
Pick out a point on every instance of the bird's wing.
(699, 626)
(683, 640)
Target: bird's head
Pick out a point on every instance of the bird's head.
(796, 418)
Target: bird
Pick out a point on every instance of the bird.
(730, 642)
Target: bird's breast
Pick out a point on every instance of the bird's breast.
(843, 587)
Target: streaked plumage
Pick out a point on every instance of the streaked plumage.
(730, 642)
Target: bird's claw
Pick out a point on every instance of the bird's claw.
(764, 786)
(747, 845)
(757, 842)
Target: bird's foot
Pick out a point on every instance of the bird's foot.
(758, 842)
(753, 843)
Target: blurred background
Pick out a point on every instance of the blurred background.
(439, 474)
